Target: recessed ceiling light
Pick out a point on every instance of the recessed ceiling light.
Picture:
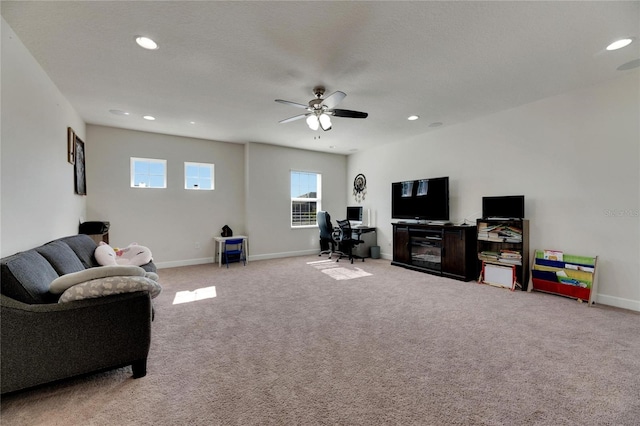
(118, 112)
(146, 42)
(413, 117)
(192, 122)
(619, 44)
(149, 117)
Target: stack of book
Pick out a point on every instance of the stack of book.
(499, 233)
(511, 257)
(489, 256)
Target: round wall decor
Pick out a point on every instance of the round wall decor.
(359, 187)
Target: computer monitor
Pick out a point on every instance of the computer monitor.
(354, 215)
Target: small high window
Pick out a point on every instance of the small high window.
(148, 173)
(198, 176)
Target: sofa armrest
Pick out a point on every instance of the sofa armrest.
(46, 342)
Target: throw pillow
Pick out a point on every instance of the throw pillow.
(60, 284)
(108, 286)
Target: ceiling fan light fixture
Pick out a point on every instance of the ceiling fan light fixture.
(325, 122)
(312, 122)
(319, 110)
(619, 44)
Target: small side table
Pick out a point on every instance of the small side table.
(218, 247)
(100, 237)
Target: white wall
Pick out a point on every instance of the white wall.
(575, 157)
(269, 198)
(177, 224)
(36, 179)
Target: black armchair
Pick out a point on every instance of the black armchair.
(327, 240)
(347, 242)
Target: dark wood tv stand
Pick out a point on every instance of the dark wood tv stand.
(446, 250)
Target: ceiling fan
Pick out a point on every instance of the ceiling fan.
(319, 110)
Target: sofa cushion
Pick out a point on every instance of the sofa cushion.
(108, 286)
(61, 257)
(83, 246)
(62, 283)
(26, 277)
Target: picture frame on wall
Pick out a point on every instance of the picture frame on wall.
(71, 146)
(79, 175)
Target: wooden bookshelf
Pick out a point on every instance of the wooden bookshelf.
(505, 242)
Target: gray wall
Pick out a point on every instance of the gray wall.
(269, 194)
(178, 224)
(575, 157)
(36, 179)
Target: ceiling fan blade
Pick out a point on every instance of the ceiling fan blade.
(294, 118)
(348, 113)
(295, 104)
(334, 99)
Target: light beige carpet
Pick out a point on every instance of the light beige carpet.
(283, 342)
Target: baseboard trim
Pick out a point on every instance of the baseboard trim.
(618, 302)
(282, 254)
(189, 262)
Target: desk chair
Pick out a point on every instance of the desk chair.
(327, 239)
(233, 251)
(347, 242)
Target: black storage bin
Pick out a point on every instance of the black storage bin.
(93, 228)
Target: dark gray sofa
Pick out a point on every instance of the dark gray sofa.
(43, 341)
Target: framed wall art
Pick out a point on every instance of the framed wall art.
(71, 145)
(80, 178)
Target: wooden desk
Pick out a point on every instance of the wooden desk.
(221, 240)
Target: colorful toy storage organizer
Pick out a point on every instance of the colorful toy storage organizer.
(565, 274)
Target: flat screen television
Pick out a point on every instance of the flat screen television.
(354, 215)
(422, 199)
(504, 207)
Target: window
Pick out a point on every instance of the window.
(198, 176)
(148, 173)
(306, 194)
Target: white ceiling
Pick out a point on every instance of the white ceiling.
(222, 64)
